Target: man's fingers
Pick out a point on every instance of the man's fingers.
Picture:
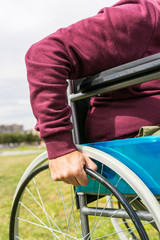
(90, 164)
(73, 181)
(82, 178)
(65, 180)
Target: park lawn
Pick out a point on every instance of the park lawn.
(12, 168)
(23, 148)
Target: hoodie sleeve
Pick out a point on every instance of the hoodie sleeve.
(114, 36)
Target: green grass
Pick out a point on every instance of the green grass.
(11, 169)
(23, 148)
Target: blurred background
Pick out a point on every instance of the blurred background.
(23, 23)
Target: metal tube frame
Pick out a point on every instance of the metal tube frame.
(101, 212)
(84, 216)
(115, 213)
(116, 86)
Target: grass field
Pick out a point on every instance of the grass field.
(11, 169)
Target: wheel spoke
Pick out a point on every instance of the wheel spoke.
(18, 238)
(96, 223)
(34, 215)
(71, 213)
(42, 204)
(43, 209)
(43, 226)
(65, 206)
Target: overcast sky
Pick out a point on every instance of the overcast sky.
(22, 23)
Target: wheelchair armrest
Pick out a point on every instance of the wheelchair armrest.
(126, 75)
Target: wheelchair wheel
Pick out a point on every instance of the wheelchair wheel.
(143, 201)
(43, 209)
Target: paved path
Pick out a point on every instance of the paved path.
(11, 153)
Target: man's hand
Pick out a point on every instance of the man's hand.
(70, 168)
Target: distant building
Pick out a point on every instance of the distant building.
(11, 128)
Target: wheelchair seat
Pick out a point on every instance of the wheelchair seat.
(141, 155)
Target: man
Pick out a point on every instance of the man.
(125, 32)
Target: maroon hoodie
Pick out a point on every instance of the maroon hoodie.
(116, 35)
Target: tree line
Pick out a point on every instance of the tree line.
(29, 138)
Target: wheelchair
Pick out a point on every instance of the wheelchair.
(122, 202)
